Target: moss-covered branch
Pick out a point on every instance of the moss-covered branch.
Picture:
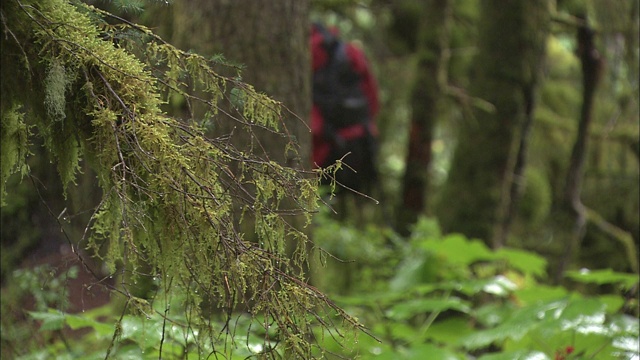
(169, 192)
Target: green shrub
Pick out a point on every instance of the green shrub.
(448, 297)
(452, 297)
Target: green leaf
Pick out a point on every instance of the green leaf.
(450, 330)
(539, 293)
(498, 285)
(625, 324)
(414, 270)
(400, 330)
(518, 325)
(430, 351)
(411, 308)
(425, 229)
(628, 344)
(51, 320)
(469, 288)
(487, 337)
(130, 352)
(524, 261)
(458, 250)
(584, 316)
(77, 322)
(145, 332)
(517, 355)
(601, 277)
(581, 325)
(612, 302)
(493, 314)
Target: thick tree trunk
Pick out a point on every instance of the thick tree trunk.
(511, 47)
(431, 78)
(270, 40)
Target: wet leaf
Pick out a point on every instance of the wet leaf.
(601, 277)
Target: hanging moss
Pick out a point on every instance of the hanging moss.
(55, 87)
(13, 146)
(169, 193)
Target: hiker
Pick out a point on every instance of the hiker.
(345, 103)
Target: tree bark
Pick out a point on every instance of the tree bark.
(572, 205)
(511, 47)
(431, 78)
(270, 40)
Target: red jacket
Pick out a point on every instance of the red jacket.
(359, 64)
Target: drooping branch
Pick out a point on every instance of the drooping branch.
(622, 236)
(169, 192)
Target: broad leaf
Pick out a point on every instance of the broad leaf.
(517, 355)
(450, 330)
(524, 261)
(77, 322)
(458, 250)
(601, 277)
(51, 320)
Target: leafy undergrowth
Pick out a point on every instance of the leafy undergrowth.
(428, 297)
(143, 331)
(453, 298)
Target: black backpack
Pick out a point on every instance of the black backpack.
(338, 94)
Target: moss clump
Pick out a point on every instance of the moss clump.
(13, 146)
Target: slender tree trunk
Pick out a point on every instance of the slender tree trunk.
(572, 205)
(426, 97)
(509, 205)
(511, 47)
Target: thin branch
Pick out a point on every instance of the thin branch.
(623, 237)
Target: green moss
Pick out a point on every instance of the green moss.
(13, 146)
(169, 193)
(55, 86)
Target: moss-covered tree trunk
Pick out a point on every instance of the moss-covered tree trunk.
(512, 36)
(269, 40)
(431, 75)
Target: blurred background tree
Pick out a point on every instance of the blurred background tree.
(550, 101)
